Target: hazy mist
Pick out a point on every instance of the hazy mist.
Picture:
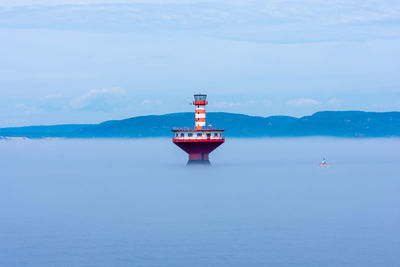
(263, 202)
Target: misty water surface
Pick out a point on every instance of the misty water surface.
(264, 202)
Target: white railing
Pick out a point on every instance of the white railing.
(195, 137)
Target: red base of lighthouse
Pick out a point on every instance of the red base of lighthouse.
(199, 150)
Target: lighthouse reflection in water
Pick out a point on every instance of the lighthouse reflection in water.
(200, 141)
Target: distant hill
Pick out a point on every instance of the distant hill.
(326, 123)
(62, 130)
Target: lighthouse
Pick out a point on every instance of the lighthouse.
(202, 140)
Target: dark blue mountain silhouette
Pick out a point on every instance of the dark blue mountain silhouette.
(326, 123)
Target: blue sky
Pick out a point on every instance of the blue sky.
(90, 61)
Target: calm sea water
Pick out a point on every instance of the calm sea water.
(264, 202)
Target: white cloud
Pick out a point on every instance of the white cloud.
(303, 102)
(273, 21)
(54, 102)
(100, 99)
(26, 109)
(151, 102)
(52, 96)
(334, 102)
(223, 104)
(252, 102)
(386, 106)
(83, 3)
(266, 102)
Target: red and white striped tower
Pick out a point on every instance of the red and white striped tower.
(200, 113)
(200, 141)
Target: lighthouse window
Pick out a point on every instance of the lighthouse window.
(200, 97)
